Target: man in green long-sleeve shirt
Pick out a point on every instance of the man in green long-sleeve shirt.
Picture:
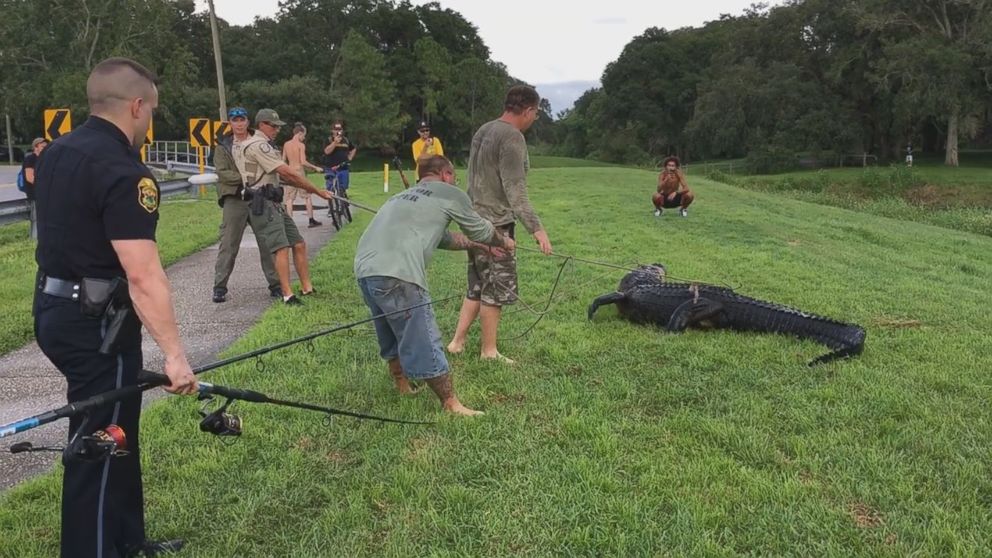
(234, 219)
(391, 268)
(497, 184)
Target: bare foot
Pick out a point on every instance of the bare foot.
(405, 387)
(499, 358)
(456, 348)
(401, 382)
(457, 408)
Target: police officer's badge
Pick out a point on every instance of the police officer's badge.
(148, 194)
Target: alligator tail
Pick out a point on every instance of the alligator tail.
(851, 350)
(750, 314)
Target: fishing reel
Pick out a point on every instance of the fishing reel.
(110, 441)
(219, 422)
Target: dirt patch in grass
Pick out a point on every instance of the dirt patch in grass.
(890, 322)
(864, 516)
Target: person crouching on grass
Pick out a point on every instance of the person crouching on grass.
(391, 268)
(672, 189)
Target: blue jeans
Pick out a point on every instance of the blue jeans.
(343, 178)
(413, 335)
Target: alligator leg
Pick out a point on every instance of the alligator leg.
(611, 298)
(692, 312)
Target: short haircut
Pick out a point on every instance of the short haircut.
(299, 127)
(433, 164)
(520, 98)
(120, 79)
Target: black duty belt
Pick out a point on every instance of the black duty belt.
(59, 287)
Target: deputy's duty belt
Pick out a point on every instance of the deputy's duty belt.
(59, 287)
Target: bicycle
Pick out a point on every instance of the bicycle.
(337, 209)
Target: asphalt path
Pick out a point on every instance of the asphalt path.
(8, 183)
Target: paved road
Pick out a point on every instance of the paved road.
(8, 181)
(30, 384)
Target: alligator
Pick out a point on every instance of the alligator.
(644, 296)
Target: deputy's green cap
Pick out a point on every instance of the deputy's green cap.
(268, 115)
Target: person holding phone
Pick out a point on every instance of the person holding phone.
(338, 154)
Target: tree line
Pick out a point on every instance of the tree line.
(379, 65)
(817, 77)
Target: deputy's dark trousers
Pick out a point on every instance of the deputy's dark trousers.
(232, 228)
(102, 503)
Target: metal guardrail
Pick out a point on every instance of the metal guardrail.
(175, 156)
(12, 211)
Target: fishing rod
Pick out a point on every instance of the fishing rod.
(621, 267)
(111, 440)
(349, 202)
(399, 167)
(155, 380)
(578, 259)
(310, 336)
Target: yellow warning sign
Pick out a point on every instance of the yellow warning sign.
(58, 122)
(199, 132)
(221, 128)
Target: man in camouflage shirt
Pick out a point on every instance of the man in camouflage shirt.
(497, 185)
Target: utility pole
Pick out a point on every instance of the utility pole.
(10, 140)
(217, 61)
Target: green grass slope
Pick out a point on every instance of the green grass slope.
(607, 438)
(185, 227)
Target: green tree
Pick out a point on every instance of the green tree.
(933, 60)
(434, 69)
(368, 95)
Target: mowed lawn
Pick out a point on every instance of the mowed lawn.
(609, 439)
(185, 226)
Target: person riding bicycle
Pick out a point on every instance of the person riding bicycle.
(337, 158)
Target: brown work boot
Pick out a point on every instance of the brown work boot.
(402, 384)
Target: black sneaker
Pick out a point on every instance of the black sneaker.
(314, 223)
(220, 295)
(293, 301)
(275, 292)
(156, 548)
(308, 293)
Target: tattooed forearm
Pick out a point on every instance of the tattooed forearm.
(458, 241)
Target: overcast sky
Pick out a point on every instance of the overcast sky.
(549, 41)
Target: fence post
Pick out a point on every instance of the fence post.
(33, 220)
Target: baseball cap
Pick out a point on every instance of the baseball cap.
(236, 112)
(36, 141)
(423, 126)
(268, 115)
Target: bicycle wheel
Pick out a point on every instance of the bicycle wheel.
(346, 213)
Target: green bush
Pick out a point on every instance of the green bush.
(770, 159)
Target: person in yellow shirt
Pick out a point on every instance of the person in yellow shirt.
(425, 145)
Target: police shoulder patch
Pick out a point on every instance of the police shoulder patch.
(265, 148)
(148, 195)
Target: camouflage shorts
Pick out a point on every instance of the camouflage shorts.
(492, 280)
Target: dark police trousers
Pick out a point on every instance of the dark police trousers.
(102, 503)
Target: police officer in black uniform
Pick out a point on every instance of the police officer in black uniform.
(99, 272)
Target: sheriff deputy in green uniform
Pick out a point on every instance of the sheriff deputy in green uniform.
(262, 166)
(235, 217)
